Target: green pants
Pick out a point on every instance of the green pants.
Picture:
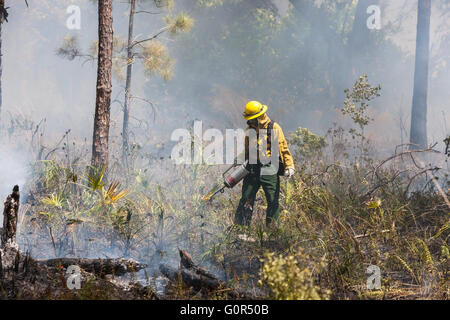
(251, 185)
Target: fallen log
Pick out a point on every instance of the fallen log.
(187, 262)
(191, 278)
(25, 278)
(100, 267)
(199, 278)
(10, 215)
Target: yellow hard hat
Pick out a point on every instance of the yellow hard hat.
(253, 110)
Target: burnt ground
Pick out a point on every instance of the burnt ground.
(22, 277)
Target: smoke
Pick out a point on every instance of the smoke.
(295, 60)
(307, 70)
(13, 171)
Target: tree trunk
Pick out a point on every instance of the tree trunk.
(130, 57)
(10, 215)
(360, 32)
(1, 72)
(418, 134)
(104, 85)
(361, 40)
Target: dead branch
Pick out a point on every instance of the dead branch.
(156, 35)
(147, 12)
(383, 183)
(10, 213)
(401, 154)
(359, 236)
(416, 175)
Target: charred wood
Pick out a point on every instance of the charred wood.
(100, 267)
(199, 278)
(10, 215)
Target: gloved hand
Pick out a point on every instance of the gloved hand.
(289, 172)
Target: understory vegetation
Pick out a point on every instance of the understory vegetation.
(343, 211)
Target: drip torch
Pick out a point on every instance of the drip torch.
(231, 177)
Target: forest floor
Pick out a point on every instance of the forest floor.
(360, 227)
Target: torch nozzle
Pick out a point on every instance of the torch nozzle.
(213, 192)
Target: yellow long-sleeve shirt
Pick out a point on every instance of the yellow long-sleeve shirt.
(286, 156)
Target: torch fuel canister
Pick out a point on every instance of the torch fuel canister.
(234, 175)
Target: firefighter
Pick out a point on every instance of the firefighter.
(262, 175)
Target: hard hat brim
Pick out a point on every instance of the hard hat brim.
(253, 116)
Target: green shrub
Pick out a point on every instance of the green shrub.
(287, 280)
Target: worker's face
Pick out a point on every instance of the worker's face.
(253, 123)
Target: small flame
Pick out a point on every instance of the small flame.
(211, 193)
